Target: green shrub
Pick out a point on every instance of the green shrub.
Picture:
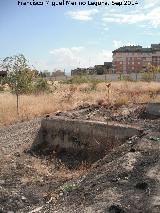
(126, 78)
(148, 76)
(41, 85)
(69, 187)
(79, 79)
(1, 88)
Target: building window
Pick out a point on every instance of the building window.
(132, 62)
(138, 62)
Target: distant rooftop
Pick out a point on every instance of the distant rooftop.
(138, 48)
(155, 46)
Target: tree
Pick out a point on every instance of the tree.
(153, 69)
(19, 75)
(41, 85)
(100, 70)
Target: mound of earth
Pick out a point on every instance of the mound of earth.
(125, 180)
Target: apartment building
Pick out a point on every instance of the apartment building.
(58, 73)
(96, 70)
(130, 59)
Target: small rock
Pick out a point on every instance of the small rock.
(2, 182)
(116, 209)
(142, 185)
(17, 154)
(123, 181)
(61, 194)
(36, 210)
(23, 198)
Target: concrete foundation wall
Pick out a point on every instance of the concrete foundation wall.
(59, 134)
(153, 109)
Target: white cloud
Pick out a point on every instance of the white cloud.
(104, 56)
(150, 3)
(118, 44)
(66, 51)
(149, 16)
(124, 18)
(106, 28)
(66, 57)
(70, 58)
(154, 17)
(82, 15)
(142, 25)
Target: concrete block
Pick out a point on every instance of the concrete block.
(153, 110)
(92, 138)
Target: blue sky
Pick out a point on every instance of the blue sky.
(75, 36)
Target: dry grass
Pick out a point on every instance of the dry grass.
(69, 96)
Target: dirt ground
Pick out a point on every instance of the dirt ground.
(125, 180)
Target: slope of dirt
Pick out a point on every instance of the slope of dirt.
(126, 180)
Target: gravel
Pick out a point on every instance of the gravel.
(17, 135)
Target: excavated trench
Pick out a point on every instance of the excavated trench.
(76, 141)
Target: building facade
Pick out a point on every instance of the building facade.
(58, 73)
(130, 59)
(96, 70)
(3, 73)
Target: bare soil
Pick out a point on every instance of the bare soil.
(125, 180)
